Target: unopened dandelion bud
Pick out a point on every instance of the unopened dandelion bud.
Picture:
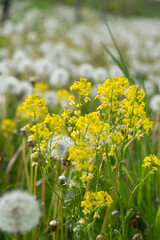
(62, 180)
(53, 225)
(99, 236)
(30, 142)
(137, 236)
(33, 80)
(23, 132)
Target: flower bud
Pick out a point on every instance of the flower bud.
(23, 132)
(30, 142)
(33, 80)
(62, 180)
(53, 225)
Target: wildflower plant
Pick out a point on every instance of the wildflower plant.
(102, 137)
(95, 162)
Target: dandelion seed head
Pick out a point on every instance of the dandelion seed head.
(20, 212)
(85, 70)
(100, 74)
(51, 98)
(155, 103)
(149, 87)
(62, 145)
(59, 77)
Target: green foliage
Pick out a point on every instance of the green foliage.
(156, 225)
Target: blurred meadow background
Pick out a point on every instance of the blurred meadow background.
(79, 119)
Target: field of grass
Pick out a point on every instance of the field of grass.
(148, 8)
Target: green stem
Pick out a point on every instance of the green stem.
(66, 232)
(25, 163)
(34, 234)
(58, 221)
(35, 178)
(61, 214)
(138, 185)
(104, 224)
(25, 236)
(110, 227)
(87, 187)
(31, 173)
(43, 200)
(15, 237)
(148, 188)
(120, 198)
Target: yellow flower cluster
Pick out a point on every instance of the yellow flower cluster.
(39, 86)
(123, 107)
(8, 125)
(151, 163)
(82, 155)
(34, 106)
(83, 88)
(63, 93)
(66, 114)
(120, 119)
(54, 123)
(45, 125)
(109, 94)
(41, 132)
(95, 200)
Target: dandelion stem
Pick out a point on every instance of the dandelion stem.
(31, 172)
(58, 220)
(61, 214)
(15, 237)
(25, 163)
(43, 200)
(104, 223)
(35, 178)
(66, 232)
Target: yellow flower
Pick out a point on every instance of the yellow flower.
(63, 93)
(8, 125)
(95, 200)
(54, 123)
(151, 163)
(34, 106)
(81, 221)
(39, 86)
(83, 88)
(66, 113)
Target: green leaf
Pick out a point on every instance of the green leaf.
(116, 191)
(156, 225)
(122, 64)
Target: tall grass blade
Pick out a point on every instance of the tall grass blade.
(123, 66)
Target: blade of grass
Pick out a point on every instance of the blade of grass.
(114, 59)
(123, 66)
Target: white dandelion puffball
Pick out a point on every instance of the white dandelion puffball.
(51, 98)
(100, 74)
(59, 77)
(115, 71)
(25, 88)
(149, 87)
(155, 103)
(62, 145)
(19, 212)
(85, 70)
